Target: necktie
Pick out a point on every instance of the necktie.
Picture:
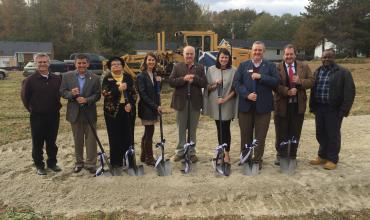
(291, 73)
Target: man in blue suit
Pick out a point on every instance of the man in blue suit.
(254, 82)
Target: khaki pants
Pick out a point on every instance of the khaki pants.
(83, 135)
(254, 126)
(181, 118)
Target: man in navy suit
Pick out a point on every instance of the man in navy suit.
(254, 81)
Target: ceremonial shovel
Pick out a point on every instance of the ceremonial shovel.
(162, 165)
(101, 155)
(130, 159)
(287, 164)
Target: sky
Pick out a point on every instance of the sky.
(274, 7)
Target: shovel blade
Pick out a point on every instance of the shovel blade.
(288, 165)
(227, 169)
(131, 172)
(164, 168)
(251, 169)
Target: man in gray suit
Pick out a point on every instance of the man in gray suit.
(82, 90)
(184, 74)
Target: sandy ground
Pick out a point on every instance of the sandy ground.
(201, 193)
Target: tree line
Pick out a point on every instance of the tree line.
(111, 27)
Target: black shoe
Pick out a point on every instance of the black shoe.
(41, 171)
(77, 169)
(55, 168)
(91, 170)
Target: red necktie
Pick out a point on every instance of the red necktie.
(291, 73)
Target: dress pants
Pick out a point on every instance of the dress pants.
(181, 118)
(44, 129)
(328, 124)
(287, 127)
(83, 135)
(118, 134)
(254, 126)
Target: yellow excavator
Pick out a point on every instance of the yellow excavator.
(202, 41)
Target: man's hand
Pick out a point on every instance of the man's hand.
(128, 107)
(105, 93)
(159, 109)
(158, 78)
(75, 91)
(292, 92)
(189, 78)
(81, 100)
(296, 79)
(252, 96)
(256, 76)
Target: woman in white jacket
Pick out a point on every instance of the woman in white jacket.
(220, 91)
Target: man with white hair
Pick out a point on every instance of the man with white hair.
(40, 96)
(184, 74)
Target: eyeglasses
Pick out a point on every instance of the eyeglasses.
(116, 64)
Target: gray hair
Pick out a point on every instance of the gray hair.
(37, 55)
(259, 43)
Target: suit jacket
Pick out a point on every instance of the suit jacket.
(149, 98)
(243, 84)
(112, 101)
(91, 92)
(176, 81)
(281, 93)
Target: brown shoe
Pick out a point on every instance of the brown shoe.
(317, 161)
(329, 165)
(194, 158)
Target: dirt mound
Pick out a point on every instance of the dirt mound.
(201, 193)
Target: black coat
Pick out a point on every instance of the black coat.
(149, 97)
(112, 101)
(342, 90)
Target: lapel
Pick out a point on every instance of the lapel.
(263, 67)
(88, 82)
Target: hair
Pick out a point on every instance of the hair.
(38, 55)
(109, 63)
(82, 56)
(227, 53)
(260, 43)
(330, 50)
(290, 46)
(144, 66)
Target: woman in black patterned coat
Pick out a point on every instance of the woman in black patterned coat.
(119, 110)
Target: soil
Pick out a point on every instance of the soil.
(311, 190)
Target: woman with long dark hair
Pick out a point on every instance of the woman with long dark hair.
(148, 83)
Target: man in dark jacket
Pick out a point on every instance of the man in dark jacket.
(254, 81)
(184, 75)
(331, 99)
(40, 96)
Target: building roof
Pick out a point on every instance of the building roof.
(270, 44)
(9, 48)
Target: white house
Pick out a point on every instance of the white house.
(318, 48)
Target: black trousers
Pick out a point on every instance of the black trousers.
(328, 124)
(44, 129)
(120, 135)
(226, 135)
(286, 128)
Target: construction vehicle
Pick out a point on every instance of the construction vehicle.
(202, 41)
